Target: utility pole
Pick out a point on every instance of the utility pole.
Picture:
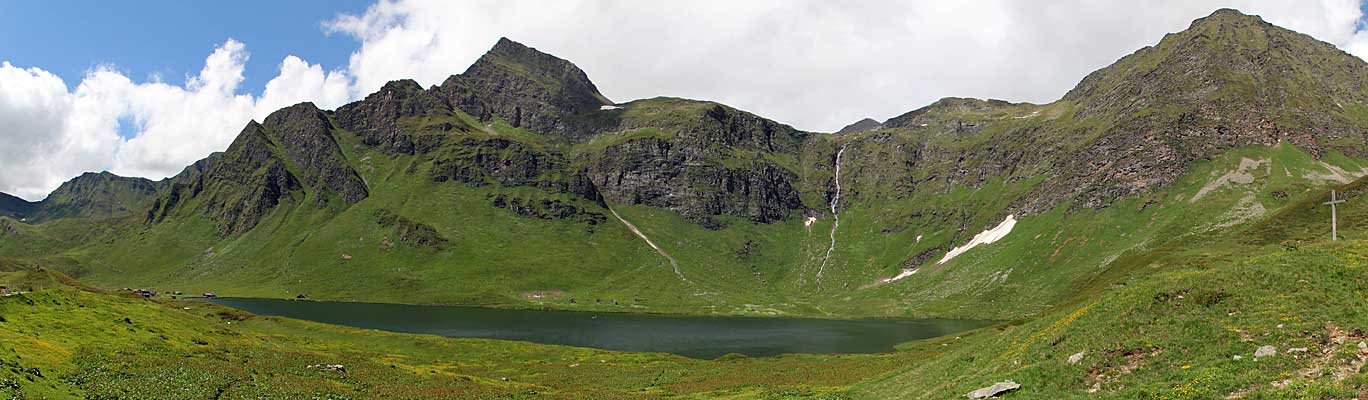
(1334, 225)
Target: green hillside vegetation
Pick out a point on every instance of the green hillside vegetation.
(1168, 329)
(1167, 217)
(432, 195)
(64, 342)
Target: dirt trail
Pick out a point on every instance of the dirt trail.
(673, 264)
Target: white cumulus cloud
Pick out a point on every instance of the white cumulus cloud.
(49, 134)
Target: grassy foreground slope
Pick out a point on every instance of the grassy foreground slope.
(64, 342)
(1180, 283)
(1188, 333)
(1186, 322)
(1172, 329)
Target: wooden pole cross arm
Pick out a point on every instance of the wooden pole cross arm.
(1334, 219)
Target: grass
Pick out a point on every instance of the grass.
(1160, 290)
(1175, 335)
(62, 342)
(742, 268)
(1163, 319)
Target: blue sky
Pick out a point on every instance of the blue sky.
(170, 38)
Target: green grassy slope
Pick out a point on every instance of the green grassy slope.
(743, 268)
(448, 198)
(1176, 334)
(62, 342)
(1165, 320)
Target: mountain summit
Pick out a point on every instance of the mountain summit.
(90, 195)
(1231, 65)
(525, 87)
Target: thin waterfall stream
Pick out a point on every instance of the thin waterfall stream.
(835, 216)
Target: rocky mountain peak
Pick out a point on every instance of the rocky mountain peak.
(1228, 16)
(90, 195)
(97, 182)
(303, 111)
(557, 75)
(1228, 63)
(526, 88)
(947, 105)
(397, 86)
(867, 124)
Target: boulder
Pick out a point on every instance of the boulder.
(993, 391)
(1266, 351)
(1074, 359)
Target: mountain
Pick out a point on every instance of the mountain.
(293, 154)
(14, 207)
(1147, 235)
(1227, 81)
(527, 88)
(864, 125)
(517, 177)
(91, 195)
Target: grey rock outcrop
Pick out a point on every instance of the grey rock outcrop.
(994, 390)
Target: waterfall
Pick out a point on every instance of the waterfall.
(835, 217)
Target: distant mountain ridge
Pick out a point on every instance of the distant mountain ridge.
(90, 195)
(864, 125)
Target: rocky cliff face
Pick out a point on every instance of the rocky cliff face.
(1229, 80)
(236, 192)
(664, 174)
(526, 88)
(710, 160)
(498, 161)
(699, 159)
(291, 155)
(305, 134)
(376, 119)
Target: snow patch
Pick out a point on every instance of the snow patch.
(919, 238)
(905, 273)
(808, 223)
(609, 107)
(985, 237)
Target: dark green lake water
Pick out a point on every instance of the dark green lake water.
(691, 336)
